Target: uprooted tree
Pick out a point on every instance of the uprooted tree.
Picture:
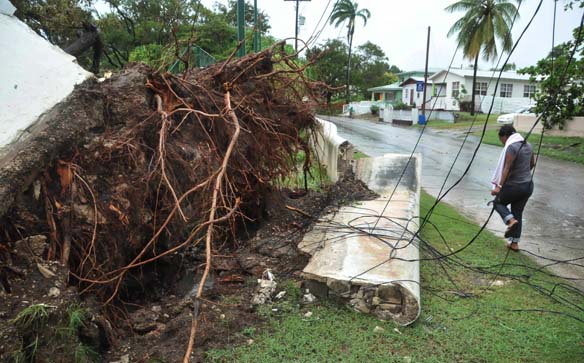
(122, 174)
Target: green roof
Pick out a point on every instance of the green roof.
(389, 87)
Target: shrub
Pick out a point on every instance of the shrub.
(374, 109)
(401, 106)
(466, 106)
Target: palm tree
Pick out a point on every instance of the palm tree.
(484, 23)
(348, 10)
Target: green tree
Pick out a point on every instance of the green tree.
(347, 10)
(484, 23)
(55, 20)
(561, 90)
(230, 14)
(327, 59)
(371, 68)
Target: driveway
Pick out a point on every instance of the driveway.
(554, 216)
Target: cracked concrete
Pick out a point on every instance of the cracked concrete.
(362, 254)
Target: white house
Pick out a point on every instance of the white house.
(413, 91)
(513, 92)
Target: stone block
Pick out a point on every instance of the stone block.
(338, 287)
(390, 294)
(317, 288)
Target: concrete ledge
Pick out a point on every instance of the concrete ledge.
(573, 127)
(362, 254)
(333, 151)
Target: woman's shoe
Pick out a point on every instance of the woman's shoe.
(514, 246)
(511, 226)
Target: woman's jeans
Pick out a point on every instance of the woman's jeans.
(517, 196)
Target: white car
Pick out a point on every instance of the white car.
(508, 118)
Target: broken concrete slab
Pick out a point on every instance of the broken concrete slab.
(362, 254)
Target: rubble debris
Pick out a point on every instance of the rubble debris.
(308, 298)
(265, 290)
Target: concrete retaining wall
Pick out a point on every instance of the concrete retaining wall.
(362, 255)
(573, 127)
(333, 151)
(503, 104)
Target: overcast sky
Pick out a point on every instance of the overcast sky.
(399, 27)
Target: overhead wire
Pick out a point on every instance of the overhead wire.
(440, 197)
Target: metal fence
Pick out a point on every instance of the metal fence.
(198, 58)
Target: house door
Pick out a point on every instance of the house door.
(411, 97)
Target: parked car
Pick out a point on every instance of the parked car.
(508, 118)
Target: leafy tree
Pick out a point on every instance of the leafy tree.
(62, 22)
(561, 87)
(347, 10)
(230, 14)
(371, 68)
(55, 20)
(484, 23)
(570, 4)
(326, 68)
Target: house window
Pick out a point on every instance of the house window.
(506, 90)
(529, 91)
(390, 96)
(455, 89)
(440, 90)
(481, 88)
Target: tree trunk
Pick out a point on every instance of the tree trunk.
(474, 85)
(90, 37)
(349, 70)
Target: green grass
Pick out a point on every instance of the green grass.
(316, 177)
(463, 122)
(477, 329)
(558, 147)
(32, 317)
(359, 155)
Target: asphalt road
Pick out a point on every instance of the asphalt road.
(554, 216)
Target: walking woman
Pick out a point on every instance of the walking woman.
(512, 182)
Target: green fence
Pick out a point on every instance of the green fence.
(198, 58)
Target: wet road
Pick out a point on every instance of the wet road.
(554, 216)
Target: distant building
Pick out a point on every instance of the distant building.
(445, 88)
(396, 93)
(413, 91)
(513, 92)
(391, 93)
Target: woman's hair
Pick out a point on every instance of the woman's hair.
(507, 130)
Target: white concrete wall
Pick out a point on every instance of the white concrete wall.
(331, 149)
(35, 75)
(573, 127)
(503, 104)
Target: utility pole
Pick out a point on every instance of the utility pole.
(426, 76)
(296, 32)
(241, 27)
(256, 34)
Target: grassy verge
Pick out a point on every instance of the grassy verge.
(463, 121)
(359, 155)
(559, 147)
(451, 328)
